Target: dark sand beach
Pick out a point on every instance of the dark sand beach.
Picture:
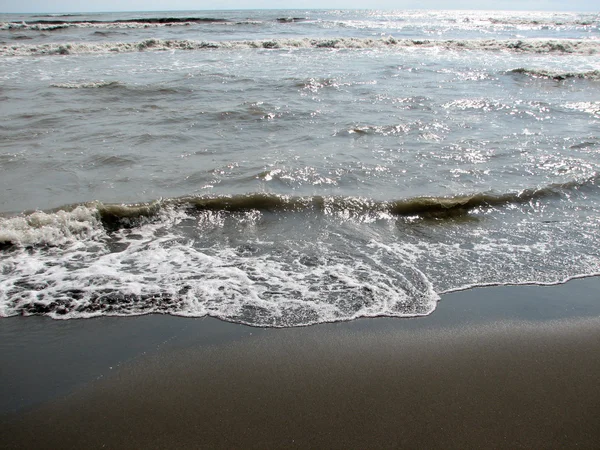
(496, 367)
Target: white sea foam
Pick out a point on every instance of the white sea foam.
(158, 271)
(461, 259)
(58, 228)
(158, 266)
(588, 107)
(476, 103)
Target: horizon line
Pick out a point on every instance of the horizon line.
(304, 9)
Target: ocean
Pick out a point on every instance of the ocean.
(287, 168)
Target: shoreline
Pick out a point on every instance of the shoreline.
(499, 367)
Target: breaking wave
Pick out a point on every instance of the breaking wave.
(157, 268)
(277, 261)
(63, 224)
(586, 47)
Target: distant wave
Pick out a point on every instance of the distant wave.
(59, 15)
(22, 26)
(541, 22)
(143, 21)
(86, 85)
(124, 88)
(52, 25)
(559, 76)
(114, 87)
(73, 20)
(58, 24)
(589, 47)
(150, 20)
(291, 19)
(107, 33)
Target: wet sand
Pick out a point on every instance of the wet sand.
(500, 367)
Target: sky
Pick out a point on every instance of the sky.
(53, 6)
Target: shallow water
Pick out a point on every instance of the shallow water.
(289, 172)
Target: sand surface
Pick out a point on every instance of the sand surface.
(503, 367)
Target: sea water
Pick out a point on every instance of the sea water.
(285, 168)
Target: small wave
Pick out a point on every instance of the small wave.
(163, 20)
(587, 107)
(586, 144)
(59, 15)
(291, 19)
(541, 22)
(559, 76)
(424, 206)
(12, 26)
(87, 85)
(386, 130)
(316, 84)
(588, 47)
(133, 90)
(436, 206)
(112, 160)
(108, 33)
(61, 225)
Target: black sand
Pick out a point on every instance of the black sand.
(502, 367)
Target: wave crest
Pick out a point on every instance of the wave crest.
(92, 219)
(589, 47)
